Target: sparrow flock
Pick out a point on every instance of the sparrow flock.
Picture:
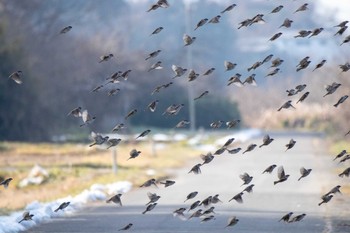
(204, 209)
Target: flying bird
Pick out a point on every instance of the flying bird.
(238, 198)
(179, 71)
(182, 124)
(291, 144)
(149, 182)
(286, 23)
(196, 169)
(115, 199)
(149, 207)
(113, 142)
(6, 182)
(87, 118)
(167, 183)
(341, 100)
(210, 71)
(229, 8)
(201, 95)
(276, 9)
(304, 172)
(298, 218)
(16, 76)
(269, 169)
(250, 148)
(153, 197)
(303, 97)
(281, 176)
(157, 30)
(229, 65)
(144, 133)
(286, 217)
(191, 195)
(266, 140)
(234, 151)
(131, 113)
(303, 33)
(127, 227)
(134, 153)
(66, 29)
(215, 19)
(325, 199)
(76, 112)
(341, 154)
(246, 178)
(26, 216)
(319, 65)
(62, 206)
(276, 36)
(303, 7)
(188, 39)
(118, 127)
(232, 221)
(98, 139)
(153, 105)
(156, 66)
(106, 57)
(286, 105)
(153, 54)
(201, 23)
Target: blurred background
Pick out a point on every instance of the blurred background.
(61, 70)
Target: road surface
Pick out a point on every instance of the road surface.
(260, 210)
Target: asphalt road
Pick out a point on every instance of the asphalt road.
(260, 210)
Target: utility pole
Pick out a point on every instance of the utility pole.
(191, 106)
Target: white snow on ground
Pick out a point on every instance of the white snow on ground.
(45, 211)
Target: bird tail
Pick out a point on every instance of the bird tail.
(300, 178)
(320, 203)
(144, 212)
(335, 105)
(275, 182)
(21, 221)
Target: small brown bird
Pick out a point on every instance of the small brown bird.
(342, 24)
(191, 195)
(300, 88)
(156, 31)
(250, 80)
(153, 105)
(16, 76)
(250, 148)
(228, 142)
(298, 218)
(156, 66)
(173, 109)
(215, 19)
(303, 97)
(98, 139)
(267, 58)
(113, 142)
(346, 173)
(229, 65)
(125, 74)
(341, 31)
(325, 199)
(206, 219)
(345, 67)
(341, 154)
(153, 7)
(233, 123)
(179, 71)
(66, 29)
(76, 112)
(196, 169)
(319, 65)
(167, 183)
(87, 118)
(26, 216)
(149, 183)
(341, 100)
(220, 151)
(118, 127)
(266, 140)
(134, 153)
(153, 197)
(144, 133)
(97, 88)
(196, 214)
(215, 199)
(286, 23)
(273, 72)
(276, 9)
(235, 80)
(6, 182)
(208, 72)
(149, 207)
(216, 124)
(303, 7)
(232, 221)
(115, 199)
(201, 23)
(234, 151)
(276, 62)
(304, 172)
(192, 75)
(276, 36)
(346, 40)
(188, 39)
(229, 8)
(182, 124)
(281, 175)
(290, 144)
(127, 227)
(316, 31)
(207, 158)
(255, 66)
(347, 157)
(238, 198)
(286, 105)
(246, 178)
(153, 54)
(201, 95)
(113, 92)
(303, 66)
(249, 188)
(286, 217)
(334, 190)
(303, 33)
(269, 169)
(206, 202)
(209, 211)
(131, 113)
(106, 57)
(180, 213)
(62, 206)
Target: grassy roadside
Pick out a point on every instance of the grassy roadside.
(75, 167)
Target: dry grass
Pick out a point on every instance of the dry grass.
(74, 167)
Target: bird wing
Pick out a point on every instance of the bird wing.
(281, 174)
